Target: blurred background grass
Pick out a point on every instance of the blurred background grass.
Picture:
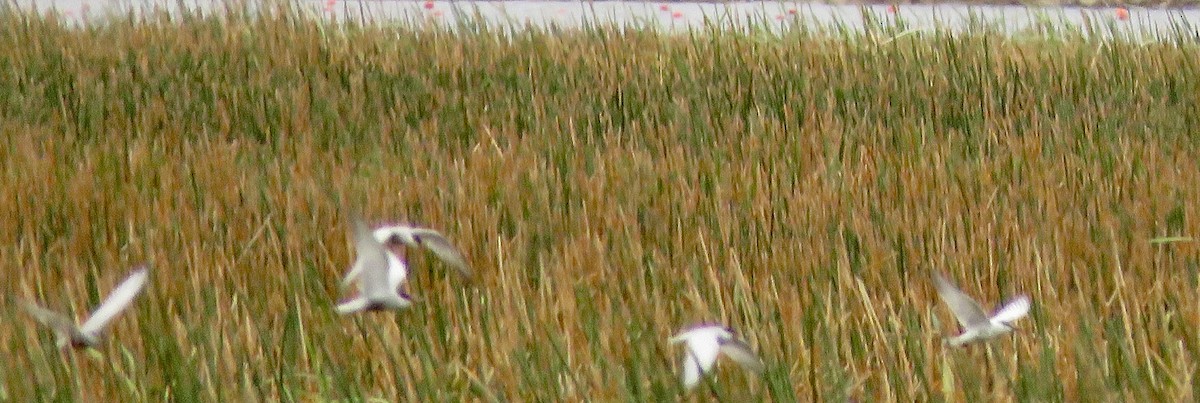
(1060, 3)
(610, 186)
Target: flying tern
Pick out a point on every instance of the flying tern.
(88, 334)
(379, 274)
(976, 324)
(704, 344)
(430, 239)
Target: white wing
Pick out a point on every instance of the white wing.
(1013, 310)
(965, 309)
(430, 239)
(440, 246)
(742, 354)
(701, 353)
(117, 301)
(351, 275)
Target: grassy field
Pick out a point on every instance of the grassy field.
(610, 187)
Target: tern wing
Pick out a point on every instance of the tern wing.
(116, 302)
(742, 354)
(351, 274)
(430, 239)
(1013, 310)
(440, 246)
(966, 310)
(61, 324)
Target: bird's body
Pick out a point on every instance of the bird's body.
(87, 334)
(379, 274)
(704, 344)
(971, 335)
(976, 324)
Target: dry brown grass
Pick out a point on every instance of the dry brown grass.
(609, 188)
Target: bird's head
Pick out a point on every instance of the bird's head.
(78, 341)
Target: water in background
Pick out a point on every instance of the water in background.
(1147, 22)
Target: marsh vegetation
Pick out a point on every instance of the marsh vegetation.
(609, 186)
